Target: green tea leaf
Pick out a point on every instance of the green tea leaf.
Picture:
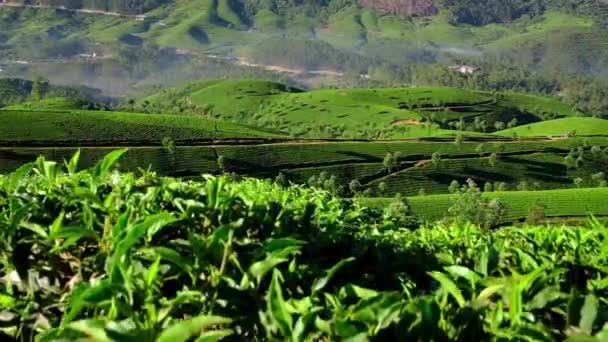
(36, 228)
(589, 313)
(136, 232)
(152, 272)
(320, 283)
(351, 290)
(18, 176)
(169, 255)
(72, 165)
(93, 329)
(277, 308)
(544, 297)
(275, 244)
(303, 324)
(449, 287)
(104, 165)
(463, 272)
(56, 226)
(85, 295)
(185, 330)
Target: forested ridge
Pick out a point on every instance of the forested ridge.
(474, 12)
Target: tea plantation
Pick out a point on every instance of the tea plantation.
(108, 256)
(246, 210)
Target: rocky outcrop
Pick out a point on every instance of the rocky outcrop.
(417, 8)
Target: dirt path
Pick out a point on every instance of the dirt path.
(407, 122)
(485, 103)
(10, 145)
(73, 10)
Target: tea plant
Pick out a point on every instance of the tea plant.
(110, 256)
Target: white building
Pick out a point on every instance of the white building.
(465, 69)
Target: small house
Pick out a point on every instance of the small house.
(465, 69)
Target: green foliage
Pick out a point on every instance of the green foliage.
(37, 85)
(537, 214)
(97, 127)
(169, 145)
(470, 206)
(99, 254)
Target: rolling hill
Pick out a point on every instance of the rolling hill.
(561, 32)
(98, 127)
(397, 112)
(561, 127)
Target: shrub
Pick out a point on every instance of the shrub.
(470, 206)
(454, 186)
(436, 159)
(354, 186)
(536, 214)
(103, 255)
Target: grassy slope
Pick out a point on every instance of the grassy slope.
(362, 161)
(358, 109)
(96, 126)
(537, 170)
(47, 104)
(559, 127)
(204, 24)
(559, 203)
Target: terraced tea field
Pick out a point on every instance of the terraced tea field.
(566, 203)
(398, 112)
(536, 154)
(96, 127)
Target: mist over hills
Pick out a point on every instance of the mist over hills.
(128, 47)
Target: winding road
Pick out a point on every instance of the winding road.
(73, 10)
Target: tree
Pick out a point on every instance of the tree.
(382, 188)
(536, 214)
(487, 187)
(471, 206)
(221, 163)
(499, 125)
(36, 93)
(512, 123)
(460, 124)
(421, 192)
(436, 158)
(480, 149)
(169, 146)
(398, 211)
(454, 186)
(458, 140)
(569, 161)
(492, 159)
(281, 179)
(522, 186)
(388, 162)
(598, 178)
(354, 186)
(578, 182)
(579, 161)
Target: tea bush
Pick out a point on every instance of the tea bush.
(111, 256)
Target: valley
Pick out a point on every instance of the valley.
(304, 171)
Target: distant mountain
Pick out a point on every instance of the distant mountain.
(380, 39)
(419, 8)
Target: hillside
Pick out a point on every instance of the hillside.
(557, 32)
(13, 91)
(557, 203)
(560, 127)
(353, 113)
(304, 170)
(98, 127)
